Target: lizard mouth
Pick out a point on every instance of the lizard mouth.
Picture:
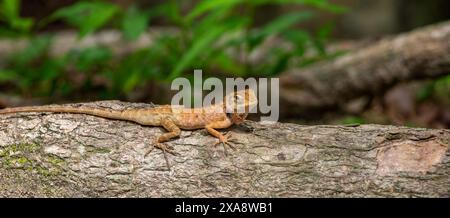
(237, 117)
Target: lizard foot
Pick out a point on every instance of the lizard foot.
(165, 149)
(225, 140)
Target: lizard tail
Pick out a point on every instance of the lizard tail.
(105, 113)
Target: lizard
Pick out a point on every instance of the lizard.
(232, 110)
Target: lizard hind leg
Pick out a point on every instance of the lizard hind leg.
(173, 131)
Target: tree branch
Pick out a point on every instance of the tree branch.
(420, 54)
(73, 155)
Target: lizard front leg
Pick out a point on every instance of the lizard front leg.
(173, 131)
(223, 139)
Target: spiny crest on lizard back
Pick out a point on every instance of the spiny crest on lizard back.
(241, 101)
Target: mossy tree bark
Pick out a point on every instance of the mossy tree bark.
(73, 155)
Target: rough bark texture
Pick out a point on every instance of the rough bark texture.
(420, 54)
(44, 154)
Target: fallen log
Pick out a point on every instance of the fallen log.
(73, 155)
(368, 71)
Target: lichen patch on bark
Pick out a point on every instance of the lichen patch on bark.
(410, 156)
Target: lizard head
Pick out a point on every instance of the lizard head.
(238, 104)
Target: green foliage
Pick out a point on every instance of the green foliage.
(31, 69)
(87, 16)
(209, 36)
(87, 59)
(277, 26)
(352, 120)
(134, 23)
(425, 92)
(208, 6)
(15, 25)
(35, 49)
(7, 75)
(212, 16)
(198, 46)
(439, 88)
(443, 83)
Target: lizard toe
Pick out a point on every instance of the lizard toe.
(148, 151)
(166, 148)
(231, 145)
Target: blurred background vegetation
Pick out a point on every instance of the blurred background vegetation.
(128, 50)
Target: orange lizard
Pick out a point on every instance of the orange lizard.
(171, 118)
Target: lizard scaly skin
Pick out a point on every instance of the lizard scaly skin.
(171, 118)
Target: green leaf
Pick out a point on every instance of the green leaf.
(10, 8)
(23, 24)
(285, 21)
(134, 23)
(214, 19)
(443, 82)
(6, 32)
(7, 75)
(281, 63)
(86, 58)
(442, 88)
(131, 81)
(325, 31)
(325, 5)
(425, 92)
(87, 16)
(200, 45)
(352, 120)
(296, 36)
(50, 69)
(36, 47)
(321, 37)
(320, 4)
(173, 12)
(208, 5)
(226, 63)
(279, 25)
